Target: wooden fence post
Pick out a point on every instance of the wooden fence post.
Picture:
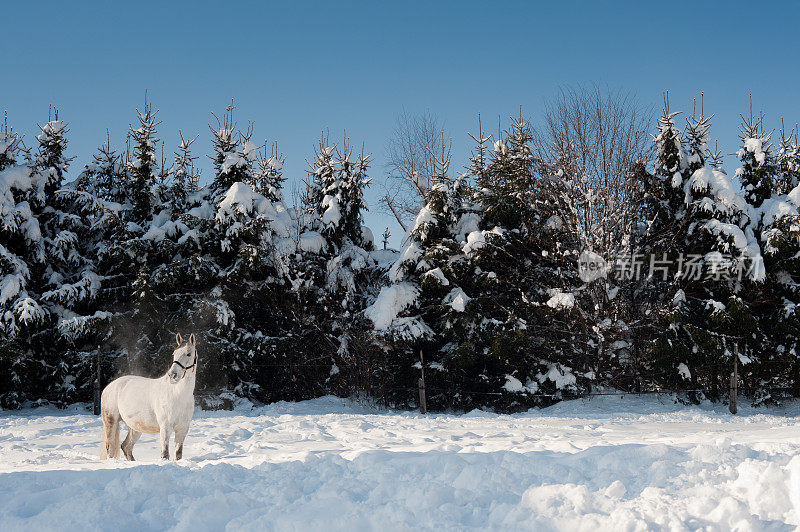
(423, 407)
(734, 381)
(97, 385)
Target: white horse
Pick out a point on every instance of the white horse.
(162, 405)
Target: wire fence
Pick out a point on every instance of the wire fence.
(377, 384)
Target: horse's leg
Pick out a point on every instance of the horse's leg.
(116, 438)
(130, 440)
(164, 435)
(106, 437)
(180, 435)
(110, 435)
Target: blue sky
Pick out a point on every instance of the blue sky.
(298, 69)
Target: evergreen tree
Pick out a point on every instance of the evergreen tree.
(236, 267)
(664, 190)
(50, 291)
(132, 249)
(696, 143)
(757, 173)
(10, 144)
(425, 309)
(184, 175)
(269, 177)
(60, 255)
(342, 201)
(507, 183)
(787, 163)
(322, 177)
(50, 163)
(777, 360)
(668, 224)
(715, 157)
(104, 177)
(20, 244)
(349, 263)
(234, 154)
(354, 180)
(526, 295)
(707, 305)
(142, 167)
(478, 161)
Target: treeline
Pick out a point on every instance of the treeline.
(581, 255)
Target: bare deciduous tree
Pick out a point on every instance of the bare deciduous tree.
(418, 154)
(596, 143)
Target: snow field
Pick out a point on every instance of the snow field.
(605, 464)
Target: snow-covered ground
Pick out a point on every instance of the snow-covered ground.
(606, 464)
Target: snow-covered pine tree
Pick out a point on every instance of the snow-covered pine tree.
(142, 166)
(133, 247)
(322, 175)
(104, 176)
(97, 197)
(664, 190)
(778, 301)
(776, 224)
(234, 154)
(350, 266)
(50, 162)
(20, 245)
(54, 284)
(757, 173)
(710, 311)
(77, 297)
(696, 142)
(523, 283)
(478, 160)
(313, 342)
(269, 176)
(354, 181)
(245, 305)
(331, 209)
(665, 238)
(425, 308)
(507, 183)
(759, 181)
(48, 168)
(10, 144)
(185, 176)
(787, 162)
(342, 199)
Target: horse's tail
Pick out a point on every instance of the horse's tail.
(110, 417)
(104, 447)
(110, 447)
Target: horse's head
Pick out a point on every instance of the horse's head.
(184, 358)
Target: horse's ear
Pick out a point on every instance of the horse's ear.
(178, 339)
(191, 339)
